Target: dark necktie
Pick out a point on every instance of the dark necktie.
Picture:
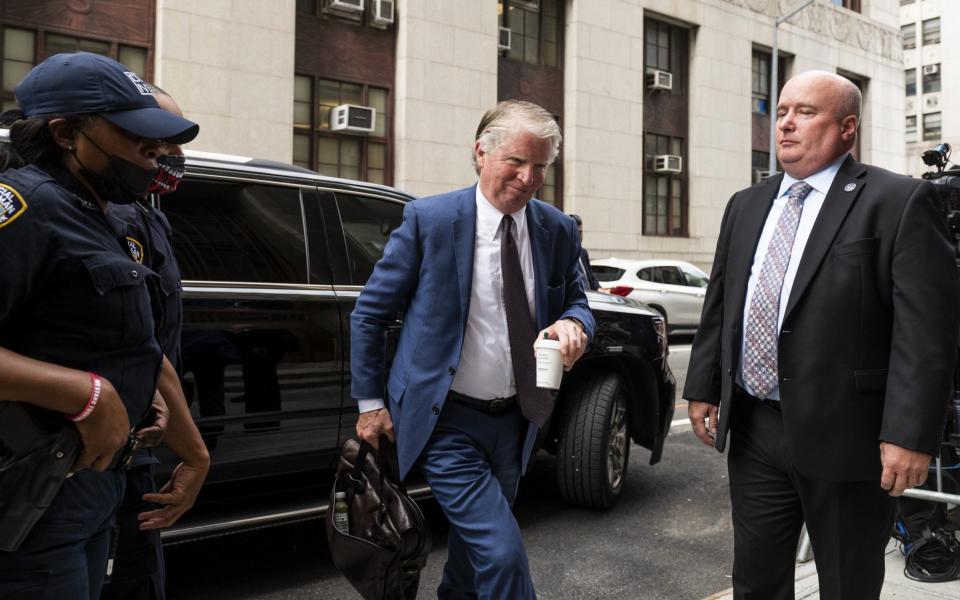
(536, 404)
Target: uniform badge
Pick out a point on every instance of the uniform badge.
(136, 249)
(12, 205)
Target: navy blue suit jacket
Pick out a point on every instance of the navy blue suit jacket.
(426, 272)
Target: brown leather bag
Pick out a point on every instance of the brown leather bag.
(388, 543)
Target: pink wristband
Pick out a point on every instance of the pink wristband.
(96, 386)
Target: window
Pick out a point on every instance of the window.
(909, 34)
(548, 192)
(911, 129)
(761, 82)
(24, 48)
(657, 42)
(931, 126)
(649, 274)
(695, 277)
(367, 225)
(534, 30)
(18, 58)
(605, 273)
(931, 78)
(238, 232)
(663, 203)
(315, 146)
(931, 31)
(853, 5)
(672, 276)
(759, 165)
(910, 77)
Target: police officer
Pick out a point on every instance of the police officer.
(76, 323)
(138, 568)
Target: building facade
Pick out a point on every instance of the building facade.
(664, 104)
(931, 50)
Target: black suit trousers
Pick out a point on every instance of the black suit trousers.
(849, 523)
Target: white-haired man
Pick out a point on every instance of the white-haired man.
(479, 272)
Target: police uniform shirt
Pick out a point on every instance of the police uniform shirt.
(149, 239)
(72, 296)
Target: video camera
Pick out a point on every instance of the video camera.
(947, 184)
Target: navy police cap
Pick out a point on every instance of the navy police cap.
(86, 83)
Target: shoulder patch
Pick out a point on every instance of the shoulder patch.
(12, 204)
(136, 249)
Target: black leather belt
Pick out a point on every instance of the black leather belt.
(774, 404)
(493, 407)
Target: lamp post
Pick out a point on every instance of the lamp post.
(774, 90)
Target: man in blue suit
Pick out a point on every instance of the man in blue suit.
(478, 273)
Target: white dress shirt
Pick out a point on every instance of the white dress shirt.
(820, 182)
(486, 369)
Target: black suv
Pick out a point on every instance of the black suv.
(273, 259)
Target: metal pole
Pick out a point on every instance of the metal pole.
(774, 93)
(774, 89)
(939, 476)
(932, 496)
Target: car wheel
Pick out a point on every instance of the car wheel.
(594, 443)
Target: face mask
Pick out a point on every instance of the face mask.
(170, 174)
(123, 182)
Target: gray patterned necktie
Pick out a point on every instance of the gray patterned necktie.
(760, 350)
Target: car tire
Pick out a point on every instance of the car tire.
(593, 441)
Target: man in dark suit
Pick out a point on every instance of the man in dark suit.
(478, 272)
(826, 349)
(589, 279)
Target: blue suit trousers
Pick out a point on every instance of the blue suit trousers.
(472, 462)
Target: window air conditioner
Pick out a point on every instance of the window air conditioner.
(504, 42)
(759, 175)
(352, 119)
(667, 163)
(346, 6)
(931, 101)
(382, 12)
(659, 80)
(931, 69)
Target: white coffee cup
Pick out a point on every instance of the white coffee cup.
(549, 364)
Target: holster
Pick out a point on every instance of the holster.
(37, 449)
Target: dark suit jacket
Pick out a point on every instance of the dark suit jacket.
(868, 342)
(591, 280)
(427, 270)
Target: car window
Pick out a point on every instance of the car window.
(672, 276)
(605, 273)
(695, 278)
(367, 225)
(650, 274)
(227, 231)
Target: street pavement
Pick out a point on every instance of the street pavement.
(668, 538)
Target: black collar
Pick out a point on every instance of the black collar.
(69, 182)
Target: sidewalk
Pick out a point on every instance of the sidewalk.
(895, 587)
